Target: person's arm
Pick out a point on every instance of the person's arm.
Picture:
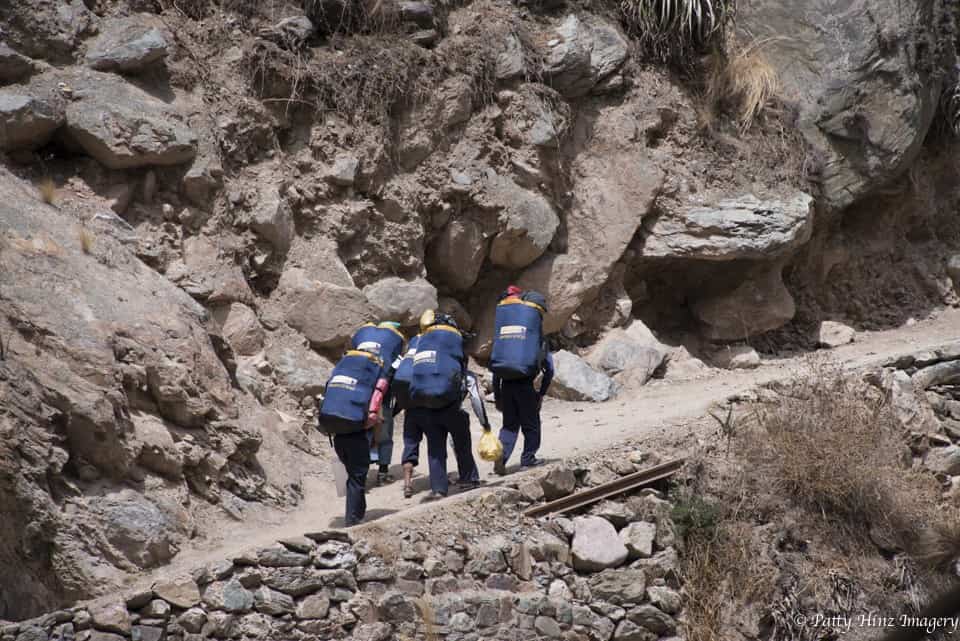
(496, 392)
(376, 401)
(547, 367)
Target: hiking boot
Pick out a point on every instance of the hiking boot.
(436, 496)
(500, 468)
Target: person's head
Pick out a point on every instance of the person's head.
(427, 319)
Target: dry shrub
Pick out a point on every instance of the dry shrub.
(86, 239)
(429, 617)
(832, 444)
(722, 574)
(48, 191)
(741, 84)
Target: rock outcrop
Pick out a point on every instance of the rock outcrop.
(574, 380)
(127, 45)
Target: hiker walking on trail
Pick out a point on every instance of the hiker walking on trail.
(352, 400)
(386, 342)
(437, 389)
(519, 355)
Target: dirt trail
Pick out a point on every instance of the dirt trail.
(656, 410)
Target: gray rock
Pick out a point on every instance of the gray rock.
(202, 180)
(401, 300)
(279, 556)
(291, 33)
(457, 254)
(315, 606)
(944, 460)
(574, 380)
(343, 171)
(178, 593)
(953, 270)
(373, 632)
(596, 545)
(375, 569)
(629, 631)
(624, 587)
(241, 327)
(47, 31)
(14, 66)
(273, 602)
(111, 616)
(547, 627)
(744, 228)
(272, 219)
(299, 369)
(146, 633)
(137, 527)
(124, 127)
(420, 13)
(736, 357)
(32, 633)
(567, 62)
(532, 490)
(127, 45)
(334, 555)
(510, 64)
(193, 620)
(230, 597)
(396, 607)
(665, 599)
(156, 609)
(616, 354)
(326, 314)
(862, 134)
(528, 223)
(757, 304)
(662, 565)
(27, 122)
(834, 334)
(649, 617)
(639, 538)
(558, 482)
(939, 374)
(296, 581)
(616, 513)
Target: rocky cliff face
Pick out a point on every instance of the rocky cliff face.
(237, 187)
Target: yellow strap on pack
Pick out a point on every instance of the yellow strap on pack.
(518, 301)
(443, 328)
(372, 357)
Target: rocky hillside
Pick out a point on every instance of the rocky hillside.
(202, 200)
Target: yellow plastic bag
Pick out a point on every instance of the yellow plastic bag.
(490, 448)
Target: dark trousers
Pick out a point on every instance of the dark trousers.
(353, 450)
(521, 412)
(435, 425)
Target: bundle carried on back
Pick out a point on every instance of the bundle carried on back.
(346, 398)
(438, 367)
(403, 375)
(519, 345)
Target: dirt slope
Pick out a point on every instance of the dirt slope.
(659, 412)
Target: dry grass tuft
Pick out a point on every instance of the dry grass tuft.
(428, 616)
(48, 191)
(86, 239)
(833, 444)
(741, 84)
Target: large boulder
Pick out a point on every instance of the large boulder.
(127, 44)
(457, 254)
(14, 65)
(527, 223)
(834, 334)
(299, 369)
(574, 380)
(325, 314)
(595, 545)
(137, 528)
(758, 304)
(47, 29)
(208, 275)
(27, 121)
(865, 102)
(634, 349)
(584, 52)
(272, 219)
(123, 126)
(737, 228)
(400, 300)
(240, 327)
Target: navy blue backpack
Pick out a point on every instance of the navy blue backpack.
(381, 340)
(346, 397)
(438, 368)
(400, 386)
(519, 346)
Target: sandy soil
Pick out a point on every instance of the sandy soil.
(661, 411)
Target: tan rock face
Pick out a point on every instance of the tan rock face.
(758, 304)
(325, 314)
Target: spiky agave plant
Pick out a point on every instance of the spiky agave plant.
(674, 26)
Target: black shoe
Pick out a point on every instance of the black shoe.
(384, 477)
(408, 491)
(468, 485)
(536, 463)
(435, 496)
(500, 468)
